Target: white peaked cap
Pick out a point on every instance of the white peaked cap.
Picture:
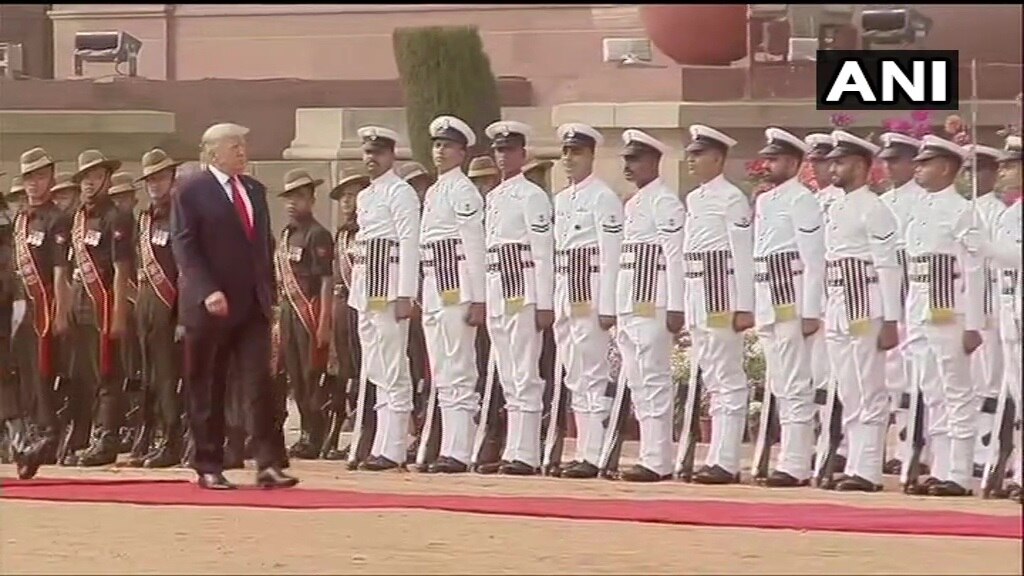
(981, 150)
(639, 136)
(846, 143)
(778, 139)
(933, 146)
(700, 131)
(378, 133)
(503, 127)
(570, 130)
(818, 139)
(891, 138)
(223, 130)
(442, 124)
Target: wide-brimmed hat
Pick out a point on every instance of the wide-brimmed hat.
(535, 165)
(35, 159)
(411, 170)
(17, 187)
(482, 166)
(91, 159)
(63, 181)
(298, 178)
(156, 160)
(355, 181)
(121, 183)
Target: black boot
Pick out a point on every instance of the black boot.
(102, 452)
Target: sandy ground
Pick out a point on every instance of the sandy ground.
(38, 537)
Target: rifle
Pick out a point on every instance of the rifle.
(608, 462)
(825, 462)
(763, 444)
(1000, 447)
(691, 423)
(485, 410)
(334, 410)
(554, 437)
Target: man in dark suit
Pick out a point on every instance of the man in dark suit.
(223, 244)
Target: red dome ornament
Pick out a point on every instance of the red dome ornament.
(697, 34)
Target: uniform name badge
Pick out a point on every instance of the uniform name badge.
(35, 238)
(785, 312)
(719, 319)
(92, 238)
(159, 237)
(377, 304)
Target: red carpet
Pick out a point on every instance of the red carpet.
(739, 514)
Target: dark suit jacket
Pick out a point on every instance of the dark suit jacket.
(213, 252)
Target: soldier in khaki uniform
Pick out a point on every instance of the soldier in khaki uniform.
(139, 431)
(15, 197)
(346, 337)
(156, 308)
(65, 195)
(40, 240)
(102, 254)
(65, 192)
(304, 256)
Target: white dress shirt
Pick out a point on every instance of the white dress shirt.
(862, 227)
(719, 219)
(654, 216)
(454, 210)
(903, 200)
(788, 218)
(935, 226)
(225, 182)
(590, 215)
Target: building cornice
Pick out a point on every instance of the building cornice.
(110, 11)
(201, 10)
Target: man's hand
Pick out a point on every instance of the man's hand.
(889, 336)
(476, 314)
(217, 304)
(674, 321)
(323, 335)
(545, 318)
(742, 321)
(606, 322)
(972, 241)
(810, 326)
(403, 308)
(972, 340)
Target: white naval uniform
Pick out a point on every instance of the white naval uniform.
(588, 242)
(987, 360)
(386, 268)
(944, 300)
(863, 289)
(903, 200)
(820, 367)
(719, 269)
(520, 266)
(789, 281)
(1007, 256)
(452, 253)
(650, 283)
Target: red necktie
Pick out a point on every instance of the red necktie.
(236, 198)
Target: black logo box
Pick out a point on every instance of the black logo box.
(829, 63)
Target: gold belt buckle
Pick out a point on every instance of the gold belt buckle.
(450, 297)
(644, 309)
(720, 320)
(377, 304)
(941, 315)
(514, 305)
(785, 312)
(579, 309)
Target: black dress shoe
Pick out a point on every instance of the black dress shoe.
(215, 481)
(379, 464)
(922, 487)
(638, 473)
(273, 478)
(517, 468)
(715, 475)
(780, 479)
(488, 468)
(892, 468)
(948, 488)
(831, 483)
(448, 465)
(857, 484)
(335, 454)
(580, 470)
(28, 464)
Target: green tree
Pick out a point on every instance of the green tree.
(444, 70)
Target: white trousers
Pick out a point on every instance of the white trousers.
(788, 366)
(821, 372)
(859, 369)
(646, 346)
(384, 341)
(987, 372)
(516, 343)
(1012, 366)
(719, 354)
(583, 351)
(949, 397)
(451, 351)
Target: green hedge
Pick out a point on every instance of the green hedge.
(444, 70)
